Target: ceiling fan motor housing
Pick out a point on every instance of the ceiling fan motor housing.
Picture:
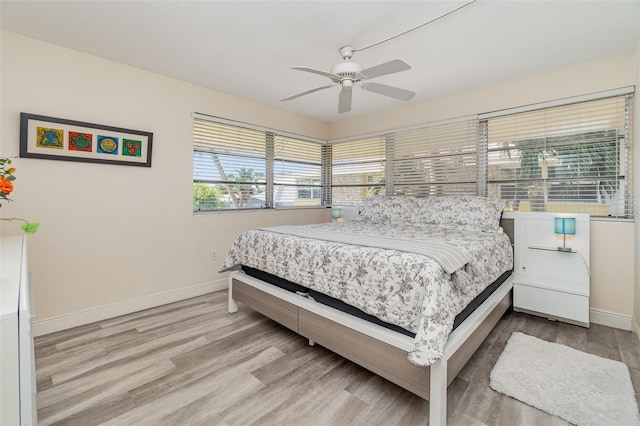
(348, 71)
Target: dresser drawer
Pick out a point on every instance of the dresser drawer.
(552, 304)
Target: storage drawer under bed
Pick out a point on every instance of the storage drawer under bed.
(270, 306)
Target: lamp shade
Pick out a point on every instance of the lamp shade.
(336, 212)
(565, 225)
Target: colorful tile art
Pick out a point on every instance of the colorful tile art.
(49, 138)
(107, 144)
(131, 148)
(80, 141)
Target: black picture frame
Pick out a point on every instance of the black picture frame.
(54, 138)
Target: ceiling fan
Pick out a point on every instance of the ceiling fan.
(349, 74)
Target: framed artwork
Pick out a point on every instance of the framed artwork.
(59, 139)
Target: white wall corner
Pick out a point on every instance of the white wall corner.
(636, 329)
(611, 319)
(100, 313)
(636, 190)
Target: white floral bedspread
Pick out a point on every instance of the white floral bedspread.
(406, 289)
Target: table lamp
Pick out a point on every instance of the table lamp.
(565, 226)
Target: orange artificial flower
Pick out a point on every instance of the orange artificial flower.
(5, 185)
(6, 188)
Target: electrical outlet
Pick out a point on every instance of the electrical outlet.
(214, 255)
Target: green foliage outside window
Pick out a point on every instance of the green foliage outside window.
(206, 197)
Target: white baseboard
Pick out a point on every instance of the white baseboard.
(100, 313)
(610, 319)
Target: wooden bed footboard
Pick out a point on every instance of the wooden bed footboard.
(375, 348)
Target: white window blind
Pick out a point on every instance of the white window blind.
(297, 173)
(574, 158)
(563, 157)
(229, 167)
(434, 160)
(357, 170)
(437, 159)
(237, 167)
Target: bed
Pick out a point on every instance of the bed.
(415, 264)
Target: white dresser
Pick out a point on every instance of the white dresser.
(17, 367)
(547, 281)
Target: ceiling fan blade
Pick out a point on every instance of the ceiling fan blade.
(333, 77)
(390, 67)
(305, 93)
(394, 92)
(344, 101)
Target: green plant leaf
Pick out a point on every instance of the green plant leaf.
(30, 227)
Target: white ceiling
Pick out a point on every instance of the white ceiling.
(246, 48)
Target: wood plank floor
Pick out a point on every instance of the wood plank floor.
(192, 363)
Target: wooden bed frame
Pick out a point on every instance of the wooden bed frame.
(376, 348)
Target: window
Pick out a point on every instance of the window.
(571, 158)
(229, 167)
(560, 157)
(437, 159)
(297, 173)
(576, 157)
(237, 167)
(309, 189)
(357, 170)
(434, 159)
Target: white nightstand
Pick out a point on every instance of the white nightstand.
(549, 282)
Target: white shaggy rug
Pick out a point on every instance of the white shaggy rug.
(580, 388)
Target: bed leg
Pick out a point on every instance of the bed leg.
(233, 305)
(438, 394)
(311, 343)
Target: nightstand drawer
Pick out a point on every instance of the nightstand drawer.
(552, 304)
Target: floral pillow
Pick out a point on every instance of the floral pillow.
(464, 212)
(389, 209)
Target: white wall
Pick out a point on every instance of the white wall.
(587, 77)
(612, 243)
(112, 234)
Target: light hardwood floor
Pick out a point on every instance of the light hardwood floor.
(192, 363)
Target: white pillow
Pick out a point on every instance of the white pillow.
(389, 209)
(463, 212)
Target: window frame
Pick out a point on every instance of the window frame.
(268, 153)
(584, 132)
(624, 173)
(386, 179)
